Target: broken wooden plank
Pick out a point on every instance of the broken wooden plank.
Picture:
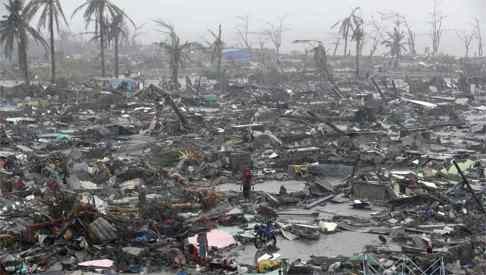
(172, 104)
(469, 188)
(272, 198)
(319, 201)
(287, 235)
(335, 128)
(347, 227)
(378, 89)
(325, 185)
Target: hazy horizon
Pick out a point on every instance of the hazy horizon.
(308, 19)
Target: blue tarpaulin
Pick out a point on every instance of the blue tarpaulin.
(131, 84)
(242, 55)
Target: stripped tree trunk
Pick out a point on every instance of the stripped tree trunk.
(102, 44)
(117, 57)
(53, 49)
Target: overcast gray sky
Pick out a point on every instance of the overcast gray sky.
(306, 19)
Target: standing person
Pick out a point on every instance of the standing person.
(202, 241)
(247, 178)
(192, 253)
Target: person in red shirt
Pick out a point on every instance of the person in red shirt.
(192, 253)
(247, 178)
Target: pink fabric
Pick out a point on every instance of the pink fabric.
(98, 263)
(216, 238)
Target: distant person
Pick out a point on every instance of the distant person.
(192, 253)
(247, 178)
(202, 241)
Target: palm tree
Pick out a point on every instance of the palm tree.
(118, 30)
(50, 16)
(100, 12)
(15, 31)
(396, 44)
(358, 36)
(178, 52)
(345, 28)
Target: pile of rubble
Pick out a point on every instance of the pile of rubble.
(366, 176)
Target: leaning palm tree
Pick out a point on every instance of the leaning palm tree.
(396, 44)
(50, 17)
(100, 12)
(15, 31)
(346, 28)
(178, 52)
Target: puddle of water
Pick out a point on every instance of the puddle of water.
(272, 187)
(342, 243)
